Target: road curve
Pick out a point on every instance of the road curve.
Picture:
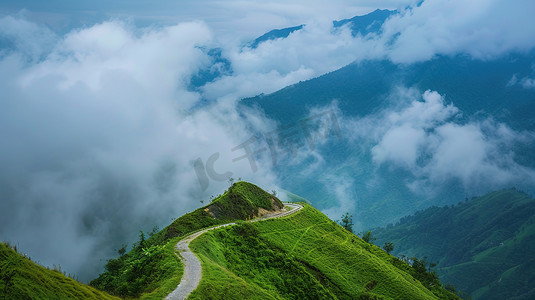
(192, 266)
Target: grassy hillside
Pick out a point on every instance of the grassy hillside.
(303, 256)
(27, 280)
(240, 202)
(484, 246)
(151, 269)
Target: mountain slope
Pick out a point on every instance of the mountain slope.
(369, 23)
(151, 269)
(302, 256)
(483, 246)
(479, 89)
(275, 34)
(31, 281)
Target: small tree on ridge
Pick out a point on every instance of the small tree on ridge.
(347, 222)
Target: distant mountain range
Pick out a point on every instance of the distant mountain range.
(369, 23)
(483, 91)
(359, 25)
(479, 89)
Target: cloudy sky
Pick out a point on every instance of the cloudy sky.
(101, 128)
(246, 18)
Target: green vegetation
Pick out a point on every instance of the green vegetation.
(423, 271)
(388, 247)
(347, 222)
(261, 265)
(20, 278)
(368, 237)
(240, 202)
(148, 271)
(303, 256)
(484, 246)
(151, 269)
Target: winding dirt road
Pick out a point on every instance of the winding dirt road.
(192, 266)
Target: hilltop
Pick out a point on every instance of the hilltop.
(241, 201)
(483, 246)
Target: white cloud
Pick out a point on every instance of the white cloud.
(426, 138)
(252, 84)
(406, 140)
(483, 29)
(528, 83)
(27, 37)
(230, 19)
(304, 54)
(160, 60)
(525, 82)
(100, 138)
(343, 191)
(460, 151)
(426, 113)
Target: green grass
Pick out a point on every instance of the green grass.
(220, 283)
(31, 281)
(240, 250)
(151, 270)
(172, 270)
(303, 256)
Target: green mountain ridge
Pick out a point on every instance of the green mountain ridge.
(262, 260)
(151, 270)
(304, 255)
(484, 246)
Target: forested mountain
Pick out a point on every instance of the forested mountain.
(483, 246)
